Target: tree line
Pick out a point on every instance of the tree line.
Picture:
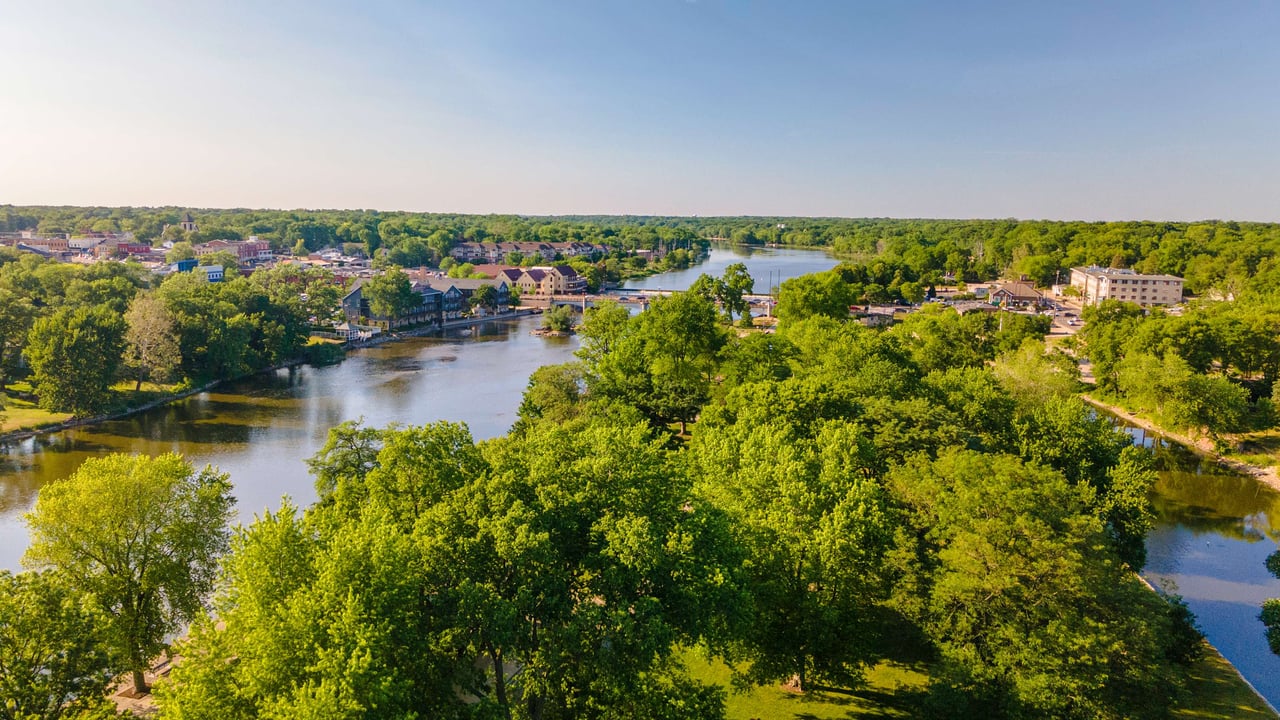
(76, 330)
(391, 238)
(1211, 369)
(1223, 257)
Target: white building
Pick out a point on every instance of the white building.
(211, 273)
(1097, 284)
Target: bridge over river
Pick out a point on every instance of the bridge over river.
(624, 296)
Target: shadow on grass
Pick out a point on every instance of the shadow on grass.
(1216, 691)
(867, 702)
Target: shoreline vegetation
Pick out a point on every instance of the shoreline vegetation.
(1202, 446)
(27, 432)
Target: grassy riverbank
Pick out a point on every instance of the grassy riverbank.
(1215, 691)
(21, 414)
(1261, 466)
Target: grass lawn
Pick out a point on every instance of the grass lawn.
(1218, 692)
(126, 396)
(890, 693)
(1258, 448)
(18, 414)
(893, 690)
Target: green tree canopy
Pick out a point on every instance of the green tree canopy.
(74, 354)
(53, 652)
(1016, 573)
(824, 294)
(151, 340)
(143, 535)
(391, 294)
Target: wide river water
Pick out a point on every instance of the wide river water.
(1213, 534)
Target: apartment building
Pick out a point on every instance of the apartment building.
(1097, 284)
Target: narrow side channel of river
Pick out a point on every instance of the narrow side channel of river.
(1213, 533)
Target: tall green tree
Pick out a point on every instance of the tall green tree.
(554, 394)
(391, 294)
(181, 250)
(1070, 437)
(1031, 612)
(74, 355)
(151, 350)
(735, 285)
(1033, 375)
(824, 294)
(54, 659)
(143, 535)
(485, 296)
(817, 527)
(16, 317)
(681, 340)
(583, 559)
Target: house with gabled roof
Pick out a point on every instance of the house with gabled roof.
(1015, 293)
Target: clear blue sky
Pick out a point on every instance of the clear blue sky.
(1091, 110)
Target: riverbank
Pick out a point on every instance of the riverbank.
(1265, 475)
(78, 422)
(75, 422)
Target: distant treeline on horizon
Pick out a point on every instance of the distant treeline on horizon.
(1223, 256)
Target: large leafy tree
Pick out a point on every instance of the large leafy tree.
(817, 527)
(332, 613)
(75, 354)
(825, 294)
(143, 535)
(1068, 436)
(485, 296)
(1030, 609)
(390, 294)
(681, 339)
(581, 560)
(151, 339)
(16, 316)
(661, 362)
(53, 651)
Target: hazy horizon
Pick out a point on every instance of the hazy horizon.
(499, 213)
(1086, 111)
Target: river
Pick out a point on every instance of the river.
(1213, 533)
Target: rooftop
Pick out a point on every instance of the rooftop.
(1097, 271)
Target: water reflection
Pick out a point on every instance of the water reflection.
(261, 430)
(1213, 532)
(767, 266)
